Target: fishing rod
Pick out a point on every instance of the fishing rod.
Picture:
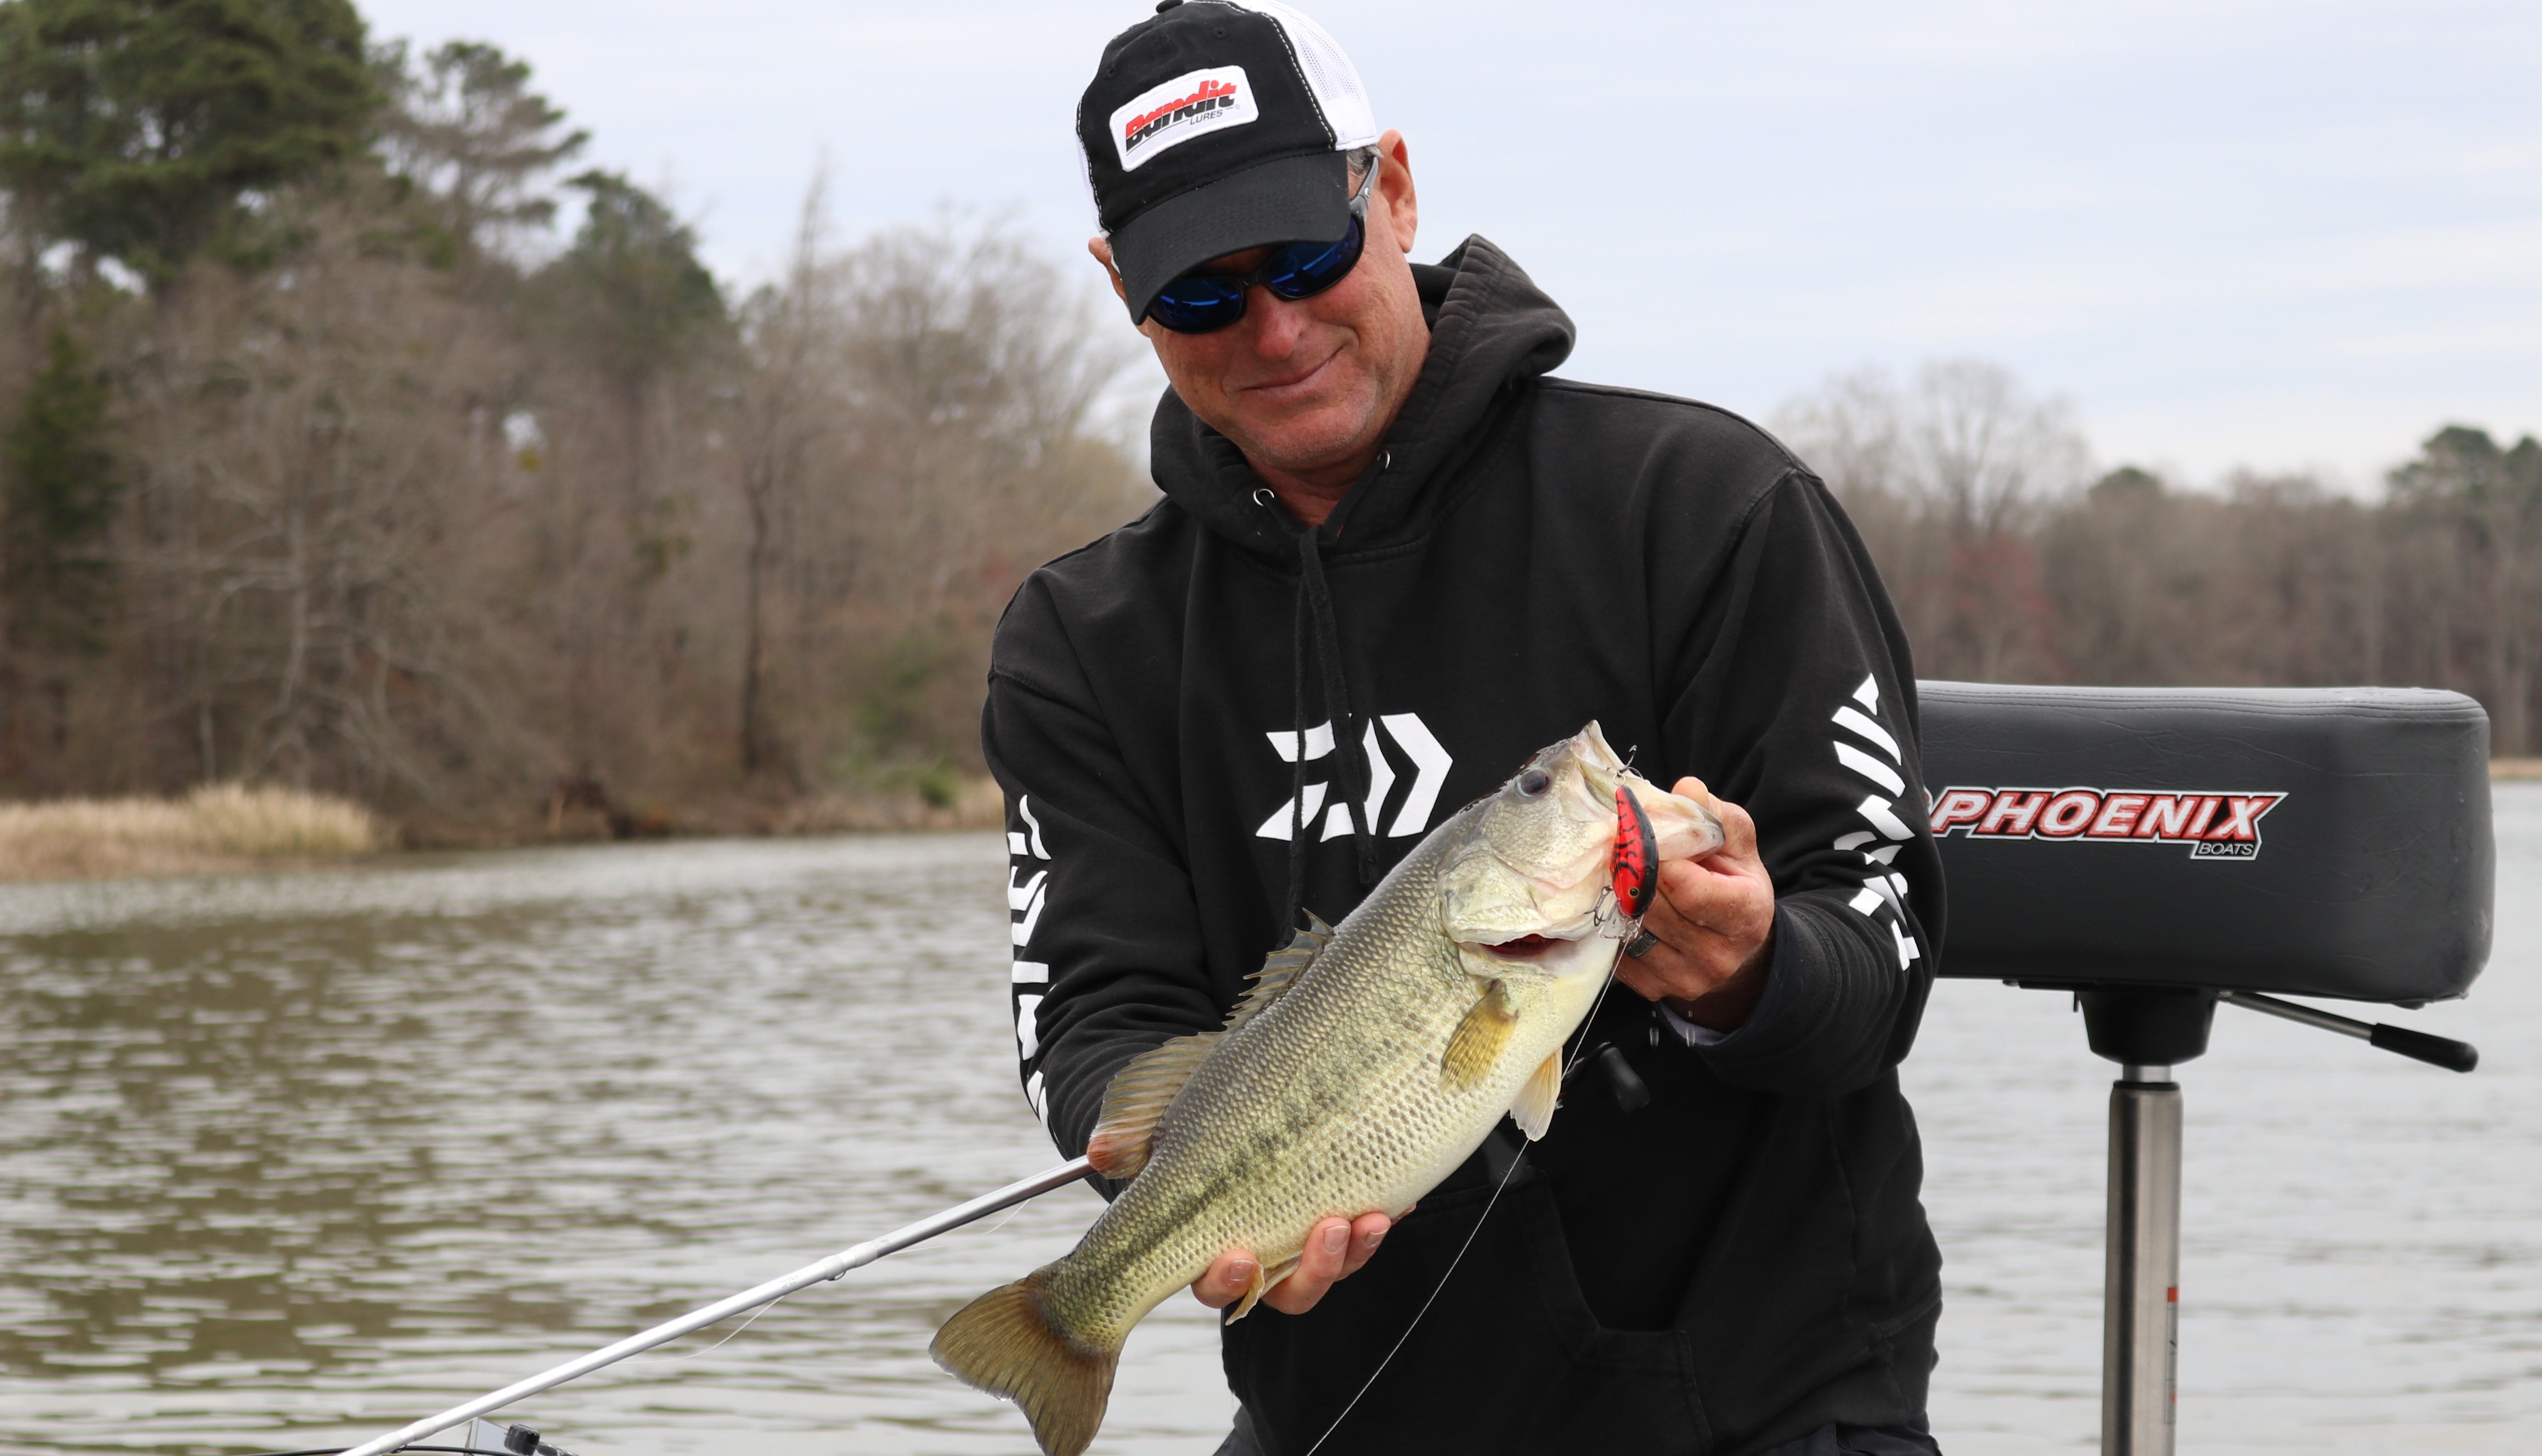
(723, 1309)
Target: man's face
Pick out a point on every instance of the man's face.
(1308, 388)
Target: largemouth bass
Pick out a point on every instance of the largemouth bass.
(1366, 1064)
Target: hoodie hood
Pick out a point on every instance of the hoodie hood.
(1490, 329)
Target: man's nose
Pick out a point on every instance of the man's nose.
(1275, 324)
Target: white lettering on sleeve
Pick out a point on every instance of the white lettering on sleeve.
(1021, 930)
(1889, 824)
(1027, 1028)
(1869, 731)
(1020, 896)
(1870, 767)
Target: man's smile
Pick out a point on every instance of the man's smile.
(1291, 386)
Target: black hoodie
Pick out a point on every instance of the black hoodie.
(1743, 1260)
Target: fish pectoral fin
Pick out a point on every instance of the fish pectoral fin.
(1478, 1040)
(1262, 1284)
(1536, 1100)
(1141, 1091)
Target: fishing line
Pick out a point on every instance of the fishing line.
(736, 1330)
(1425, 1306)
(1011, 1215)
(1577, 1052)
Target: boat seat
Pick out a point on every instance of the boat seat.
(2304, 841)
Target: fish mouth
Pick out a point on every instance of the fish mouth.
(1601, 769)
(1538, 945)
(1686, 829)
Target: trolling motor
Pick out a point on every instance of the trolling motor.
(2154, 852)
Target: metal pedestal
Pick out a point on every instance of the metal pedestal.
(2140, 1297)
(2144, 1031)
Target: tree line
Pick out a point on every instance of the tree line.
(2011, 560)
(323, 461)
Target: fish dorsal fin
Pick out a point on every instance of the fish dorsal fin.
(1281, 971)
(1144, 1088)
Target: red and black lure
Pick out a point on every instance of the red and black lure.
(1637, 855)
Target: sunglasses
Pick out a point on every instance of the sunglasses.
(1205, 303)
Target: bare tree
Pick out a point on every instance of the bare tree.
(1946, 479)
(784, 411)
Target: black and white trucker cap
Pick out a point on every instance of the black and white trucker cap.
(1214, 127)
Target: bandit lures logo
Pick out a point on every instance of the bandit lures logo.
(2214, 825)
(1189, 105)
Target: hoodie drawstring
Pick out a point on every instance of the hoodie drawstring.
(1315, 611)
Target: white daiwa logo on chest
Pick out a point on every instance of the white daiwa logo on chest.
(1429, 762)
(1189, 105)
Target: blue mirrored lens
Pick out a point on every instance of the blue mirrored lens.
(1204, 303)
(1199, 303)
(1304, 269)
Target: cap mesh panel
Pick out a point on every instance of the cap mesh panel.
(1329, 74)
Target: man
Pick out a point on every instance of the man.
(1393, 560)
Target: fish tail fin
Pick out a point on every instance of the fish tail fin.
(1009, 1343)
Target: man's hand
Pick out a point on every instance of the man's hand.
(1335, 1250)
(1714, 918)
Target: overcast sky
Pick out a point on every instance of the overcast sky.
(2274, 235)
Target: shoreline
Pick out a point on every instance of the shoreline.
(233, 830)
(189, 851)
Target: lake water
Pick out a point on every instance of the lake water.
(288, 1161)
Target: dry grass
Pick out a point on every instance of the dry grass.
(2516, 767)
(974, 803)
(219, 827)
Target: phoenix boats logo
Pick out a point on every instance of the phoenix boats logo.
(2214, 825)
(1188, 106)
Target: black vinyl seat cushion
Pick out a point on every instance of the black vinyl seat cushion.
(2306, 842)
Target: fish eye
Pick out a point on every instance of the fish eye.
(1534, 782)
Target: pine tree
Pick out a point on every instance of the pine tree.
(467, 130)
(57, 499)
(140, 129)
(631, 285)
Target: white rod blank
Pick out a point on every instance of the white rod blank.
(723, 1309)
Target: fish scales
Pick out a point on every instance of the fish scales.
(1249, 1157)
(1356, 1083)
